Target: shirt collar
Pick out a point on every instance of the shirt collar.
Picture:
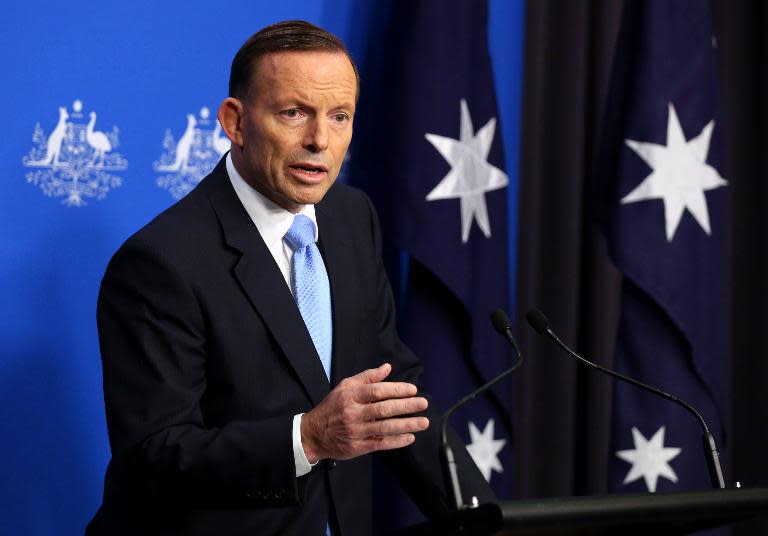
(272, 220)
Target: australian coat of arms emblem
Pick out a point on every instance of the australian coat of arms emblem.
(75, 161)
(193, 156)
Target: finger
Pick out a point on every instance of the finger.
(397, 426)
(373, 375)
(393, 407)
(388, 442)
(384, 391)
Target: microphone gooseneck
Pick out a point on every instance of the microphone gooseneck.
(539, 322)
(503, 326)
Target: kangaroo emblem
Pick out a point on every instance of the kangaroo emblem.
(53, 146)
(186, 161)
(75, 161)
(184, 147)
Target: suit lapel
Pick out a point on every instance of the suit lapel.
(263, 283)
(338, 256)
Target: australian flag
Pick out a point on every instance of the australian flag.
(429, 149)
(663, 187)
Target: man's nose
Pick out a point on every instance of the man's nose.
(316, 135)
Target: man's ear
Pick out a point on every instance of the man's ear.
(230, 112)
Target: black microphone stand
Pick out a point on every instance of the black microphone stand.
(503, 326)
(539, 322)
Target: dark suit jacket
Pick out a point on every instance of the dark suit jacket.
(206, 360)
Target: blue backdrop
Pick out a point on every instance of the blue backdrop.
(73, 194)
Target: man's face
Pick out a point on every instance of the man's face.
(296, 125)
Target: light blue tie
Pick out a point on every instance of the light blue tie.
(311, 289)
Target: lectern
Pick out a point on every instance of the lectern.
(648, 513)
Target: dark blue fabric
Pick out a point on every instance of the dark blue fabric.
(434, 55)
(673, 331)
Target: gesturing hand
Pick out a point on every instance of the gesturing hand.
(363, 414)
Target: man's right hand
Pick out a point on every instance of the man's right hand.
(363, 414)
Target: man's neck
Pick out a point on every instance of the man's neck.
(240, 168)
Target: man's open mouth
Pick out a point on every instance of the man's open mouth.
(310, 168)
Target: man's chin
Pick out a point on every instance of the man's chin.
(310, 195)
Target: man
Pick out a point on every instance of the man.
(248, 370)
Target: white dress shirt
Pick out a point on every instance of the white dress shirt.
(272, 222)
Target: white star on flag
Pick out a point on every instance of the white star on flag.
(484, 449)
(680, 174)
(471, 175)
(649, 459)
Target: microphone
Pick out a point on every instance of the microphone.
(539, 322)
(503, 326)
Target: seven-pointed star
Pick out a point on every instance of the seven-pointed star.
(649, 459)
(484, 449)
(680, 174)
(471, 175)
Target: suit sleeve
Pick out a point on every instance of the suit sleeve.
(154, 355)
(418, 467)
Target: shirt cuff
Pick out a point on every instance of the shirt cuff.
(302, 463)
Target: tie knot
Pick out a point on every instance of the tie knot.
(301, 234)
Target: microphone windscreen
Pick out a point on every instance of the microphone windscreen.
(537, 320)
(500, 321)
